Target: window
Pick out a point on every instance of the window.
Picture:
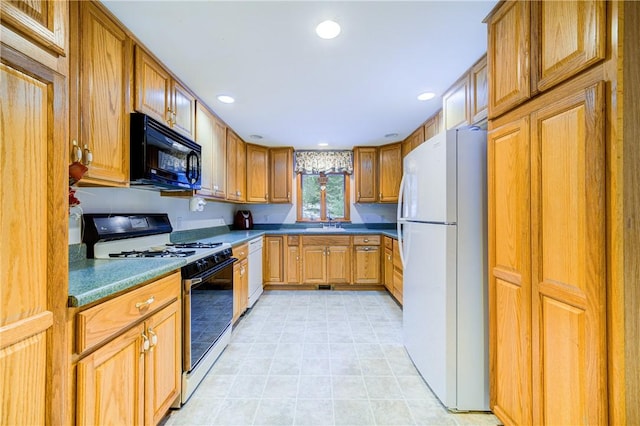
(323, 197)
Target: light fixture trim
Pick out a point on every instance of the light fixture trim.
(425, 96)
(255, 136)
(226, 99)
(323, 144)
(391, 135)
(328, 29)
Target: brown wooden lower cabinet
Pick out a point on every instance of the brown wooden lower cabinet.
(293, 259)
(397, 273)
(240, 281)
(326, 259)
(135, 377)
(366, 259)
(273, 266)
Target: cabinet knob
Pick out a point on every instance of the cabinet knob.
(366, 249)
(145, 343)
(153, 338)
(366, 240)
(88, 155)
(76, 152)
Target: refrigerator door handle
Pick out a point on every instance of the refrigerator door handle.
(400, 219)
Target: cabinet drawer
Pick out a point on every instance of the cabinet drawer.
(293, 240)
(105, 320)
(326, 240)
(397, 262)
(241, 251)
(366, 240)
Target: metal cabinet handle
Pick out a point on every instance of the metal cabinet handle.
(88, 155)
(154, 338)
(76, 152)
(367, 248)
(366, 240)
(146, 303)
(145, 343)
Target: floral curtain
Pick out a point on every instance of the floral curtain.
(324, 162)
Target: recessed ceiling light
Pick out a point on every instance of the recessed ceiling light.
(226, 99)
(328, 29)
(255, 137)
(391, 135)
(426, 96)
(323, 144)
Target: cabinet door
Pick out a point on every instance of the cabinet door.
(110, 387)
(240, 288)
(510, 271)
(43, 22)
(163, 366)
(388, 270)
(366, 265)
(432, 126)
(257, 174)
(508, 56)
(416, 138)
(568, 262)
(365, 174)
(390, 173)
(33, 237)
(281, 175)
(153, 87)
(314, 264)
(293, 264)
(183, 110)
(339, 264)
(455, 104)
(219, 172)
(572, 38)
(232, 160)
(273, 265)
(204, 137)
(479, 91)
(100, 96)
(241, 170)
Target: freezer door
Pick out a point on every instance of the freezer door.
(430, 181)
(429, 305)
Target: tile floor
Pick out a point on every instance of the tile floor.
(318, 358)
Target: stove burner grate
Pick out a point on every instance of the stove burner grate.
(195, 245)
(151, 253)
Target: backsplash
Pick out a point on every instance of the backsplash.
(129, 200)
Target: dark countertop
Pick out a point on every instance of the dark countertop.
(91, 280)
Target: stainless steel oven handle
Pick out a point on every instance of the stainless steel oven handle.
(188, 283)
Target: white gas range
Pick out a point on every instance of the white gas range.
(207, 282)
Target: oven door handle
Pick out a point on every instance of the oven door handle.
(188, 283)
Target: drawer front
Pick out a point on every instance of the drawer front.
(99, 323)
(241, 252)
(293, 240)
(326, 240)
(366, 240)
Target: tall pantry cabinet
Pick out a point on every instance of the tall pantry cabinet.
(33, 219)
(563, 238)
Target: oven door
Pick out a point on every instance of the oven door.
(207, 311)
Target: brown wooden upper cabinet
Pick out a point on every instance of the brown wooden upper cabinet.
(236, 167)
(160, 96)
(101, 54)
(365, 159)
(257, 173)
(389, 172)
(540, 44)
(413, 141)
(432, 126)
(211, 134)
(479, 90)
(42, 22)
(456, 105)
(281, 174)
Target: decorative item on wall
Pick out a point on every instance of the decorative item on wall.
(76, 172)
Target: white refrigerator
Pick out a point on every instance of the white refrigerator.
(442, 236)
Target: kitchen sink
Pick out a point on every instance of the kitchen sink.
(325, 229)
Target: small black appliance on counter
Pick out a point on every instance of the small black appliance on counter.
(243, 220)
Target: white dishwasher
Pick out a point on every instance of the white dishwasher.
(255, 270)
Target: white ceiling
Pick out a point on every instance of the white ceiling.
(295, 89)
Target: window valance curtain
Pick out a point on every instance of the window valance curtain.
(309, 162)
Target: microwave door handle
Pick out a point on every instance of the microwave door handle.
(193, 174)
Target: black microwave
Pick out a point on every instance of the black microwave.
(161, 158)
